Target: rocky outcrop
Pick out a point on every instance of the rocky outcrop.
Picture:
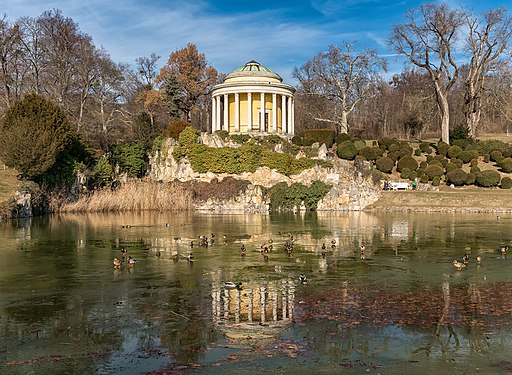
(23, 204)
(350, 191)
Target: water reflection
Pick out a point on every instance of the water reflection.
(63, 305)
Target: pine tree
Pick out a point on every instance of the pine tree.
(173, 95)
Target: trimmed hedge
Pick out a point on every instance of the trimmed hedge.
(457, 177)
(320, 135)
(368, 153)
(385, 164)
(407, 162)
(506, 165)
(506, 183)
(488, 178)
(470, 179)
(434, 170)
(346, 150)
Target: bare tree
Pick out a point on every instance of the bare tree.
(344, 76)
(10, 67)
(488, 38)
(428, 40)
(147, 69)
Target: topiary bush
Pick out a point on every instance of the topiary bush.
(453, 151)
(394, 147)
(417, 152)
(473, 163)
(346, 150)
(506, 165)
(386, 142)
(393, 155)
(424, 178)
(385, 164)
(488, 178)
(405, 151)
(436, 181)
(434, 170)
(240, 138)
(496, 156)
(506, 183)
(466, 156)
(359, 144)
(405, 173)
(367, 153)
(342, 138)
(407, 162)
(425, 147)
(188, 136)
(487, 158)
(450, 167)
(457, 177)
(413, 175)
(457, 162)
(442, 148)
(470, 179)
(320, 135)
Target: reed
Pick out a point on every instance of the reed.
(134, 196)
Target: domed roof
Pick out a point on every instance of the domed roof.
(253, 70)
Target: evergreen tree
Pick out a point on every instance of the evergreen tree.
(34, 134)
(173, 95)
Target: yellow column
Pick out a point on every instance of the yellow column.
(262, 112)
(237, 112)
(225, 125)
(217, 112)
(289, 115)
(214, 116)
(274, 113)
(249, 111)
(283, 114)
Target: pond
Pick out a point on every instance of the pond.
(399, 306)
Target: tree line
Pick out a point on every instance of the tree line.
(457, 74)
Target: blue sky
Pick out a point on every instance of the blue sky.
(279, 34)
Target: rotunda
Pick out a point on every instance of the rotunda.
(253, 99)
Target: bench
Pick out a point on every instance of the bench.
(399, 186)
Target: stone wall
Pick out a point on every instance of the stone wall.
(350, 192)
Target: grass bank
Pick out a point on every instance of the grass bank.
(134, 196)
(468, 199)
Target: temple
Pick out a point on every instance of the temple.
(253, 99)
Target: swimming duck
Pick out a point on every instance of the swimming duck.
(175, 257)
(232, 285)
(242, 250)
(478, 259)
(362, 249)
(303, 279)
(504, 249)
(117, 263)
(458, 265)
(124, 252)
(465, 258)
(131, 261)
(190, 257)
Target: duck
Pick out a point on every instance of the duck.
(117, 263)
(478, 259)
(242, 250)
(303, 279)
(504, 249)
(167, 225)
(131, 261)
(191, 244)
(175, 257)
(190, 257)
(232, 285)
(465, 258)
(124, 252)
(458, 265)
(362, 249)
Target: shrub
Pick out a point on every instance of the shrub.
(466, 156)
(423, 164)
(342, 138)
(454, 151)
(506, 165)
(434, 170)
(297, 140)
(474, 170)
(470, 179)
(393, 155)
(367, 153)
(346, 150)
(413, 175)
(417, 152)
(436, 162)
(436, 181)
(506, 183)
(473, 163)
(444, 162)
(405, 151)
(131, 158)
(457, 162)
(175, 128)
(487, 158)
(378, 151)
(284, 197)
(442, 148)
(188, 136)
(425, 147)
(359, 144)
(460, 132)
(385, 164)
(424, 179)
(450, 167)
(321, 136)
(223, 134)
(240, 138)
(429, 158)
(407, 162)
(405, 173)
(101, 173)
(394, 147)
(388, 142)
(496, 156)
(457, 177)
(488, 178)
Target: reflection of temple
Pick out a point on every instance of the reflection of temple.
(267, 302)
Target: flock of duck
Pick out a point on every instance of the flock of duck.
(465, 259)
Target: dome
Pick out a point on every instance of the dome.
(253, 70)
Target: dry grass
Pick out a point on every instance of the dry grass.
(134, 196)
(9, 183)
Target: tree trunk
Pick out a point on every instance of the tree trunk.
(344, 122)
(445, 119)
